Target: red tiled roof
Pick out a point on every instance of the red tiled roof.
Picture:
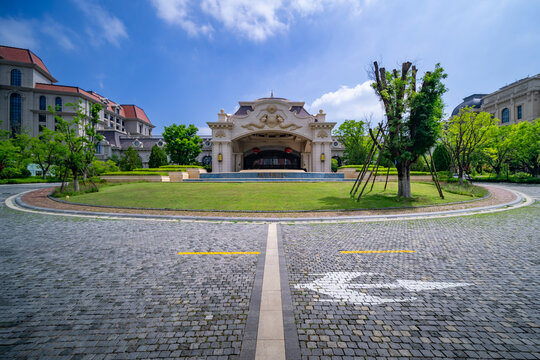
(68, 89)
(135, 112)
(23, 56)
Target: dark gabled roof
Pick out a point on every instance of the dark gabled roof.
(474, 101)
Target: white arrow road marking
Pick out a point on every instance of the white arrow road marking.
(337, 286)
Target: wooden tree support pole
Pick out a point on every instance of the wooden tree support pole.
(360, 176)
(376, 168)
(386, 182)
(433, 176)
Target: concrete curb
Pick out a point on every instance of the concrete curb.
(15, 202)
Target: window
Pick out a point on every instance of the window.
(336, 143)
(505, 115)
(15, 113)
(137, 144)
(42, 118)
(207, 160)
(15, 77)
(519, 112)
(58, 104)
(98, 148)
(42, 103)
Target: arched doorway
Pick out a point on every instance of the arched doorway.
(272, 159)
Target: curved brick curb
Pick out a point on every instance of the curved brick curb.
(521, 200)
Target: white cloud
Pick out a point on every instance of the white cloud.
(205, 130)
(346, 103)
(256, 20)
(18, 33)
(177, 12)
(105, 27)
(58, 32)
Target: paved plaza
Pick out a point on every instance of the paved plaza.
(88, 288)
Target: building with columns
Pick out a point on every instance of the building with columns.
(513, 103)
(271, 133)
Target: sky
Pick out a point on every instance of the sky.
(184, 60)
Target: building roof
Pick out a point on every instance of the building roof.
(68, 89)
(474, 101)
(135, 112)
(24, 56)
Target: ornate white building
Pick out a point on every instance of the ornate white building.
(272, 133)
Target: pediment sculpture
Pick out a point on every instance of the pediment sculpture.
(271, 121)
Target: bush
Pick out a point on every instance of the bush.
(510, 179)
(135, 173)
(334, 165)
(101, 167)
(441, 158)
(14, 173)
(130, 160)
(521, 175)
(181, 167)
(69, 191)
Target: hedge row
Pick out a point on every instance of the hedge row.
(181, 167)
(135, 173)
(510, 179)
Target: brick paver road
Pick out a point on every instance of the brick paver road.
(76, 288)
(386, 305)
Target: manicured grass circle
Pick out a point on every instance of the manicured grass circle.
(267, 196)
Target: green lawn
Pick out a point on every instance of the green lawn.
(259, 196)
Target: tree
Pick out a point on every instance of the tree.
(100, 167)
(499, 147)
(352, 134)
(412, 117)
(441, 158)
(466, 133)
(80, 137)
(183, 145)
(526, 144)
(130, 160)
(47, 150)
(157, 157)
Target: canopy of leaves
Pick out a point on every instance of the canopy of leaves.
(441, 158)
(157, 157)
(352, 134)
(466, 133)
(183, 145)
(525, 141)
(130, 160)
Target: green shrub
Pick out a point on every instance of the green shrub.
(334, 165)
(521, 175)
(181, 167)
(69, 191)
(135, 173)
(466, 189)
(101, 167)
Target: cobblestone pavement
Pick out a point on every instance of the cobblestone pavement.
(471, 289)
(76, 288)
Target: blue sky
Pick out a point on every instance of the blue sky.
(184, 60)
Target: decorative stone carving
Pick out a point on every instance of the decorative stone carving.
(271, 108)
(220, 133)
(271, 121)
(322, 134)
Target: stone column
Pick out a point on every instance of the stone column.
(326, 166)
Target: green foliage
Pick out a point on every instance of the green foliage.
(441, 158)
(135, 173)
(157, 157)
(510, 178)
(334, 165)
(352, 134)
(467, 133)
(80, 138)
(130, 160)
(47, 150)
(525, 142)
(100, 167)
(465, 189)
(116, 159)
(13, 155)
(413, 117)
(182, 143)
(174, 167)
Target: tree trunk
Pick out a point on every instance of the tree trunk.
(75, 180)
(404, 179)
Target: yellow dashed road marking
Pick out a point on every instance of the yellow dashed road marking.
(221, 253)
(376, 251)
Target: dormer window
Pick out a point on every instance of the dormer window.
(15, 77)
(160, 143)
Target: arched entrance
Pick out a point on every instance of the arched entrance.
(271, 150)
(272, 159)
